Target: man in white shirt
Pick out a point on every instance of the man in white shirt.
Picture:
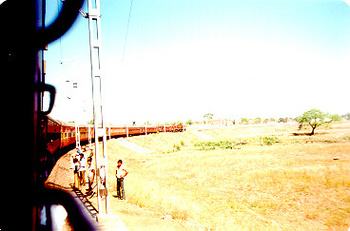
(82, 168)
(120, 174)
(90, 174)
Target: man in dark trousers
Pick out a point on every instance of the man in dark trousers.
(120, 174)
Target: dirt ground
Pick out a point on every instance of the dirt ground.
(134, 217)
(293, 184)
(298, 183)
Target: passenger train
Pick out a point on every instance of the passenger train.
(58, 135)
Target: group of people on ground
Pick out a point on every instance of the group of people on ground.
(84, 173)
(84, 170)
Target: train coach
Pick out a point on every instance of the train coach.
(57, 134)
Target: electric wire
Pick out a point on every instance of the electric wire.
(127, 29)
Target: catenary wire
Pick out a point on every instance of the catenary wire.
(127, 29)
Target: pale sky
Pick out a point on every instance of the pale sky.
(183, 59)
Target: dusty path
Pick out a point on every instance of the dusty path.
(122, 215)
(133, 147)
(203, 136)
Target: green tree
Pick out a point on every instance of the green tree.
(335, 117)
(257, 120)
(314, 118)
(244, 120)
(208, 116)
(346, 116)
(282, 120)
(189, 122)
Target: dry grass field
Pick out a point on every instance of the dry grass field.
(293, 184)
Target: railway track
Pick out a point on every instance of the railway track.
(105, 222)
(85, 200)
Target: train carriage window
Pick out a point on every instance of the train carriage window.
(51, 136)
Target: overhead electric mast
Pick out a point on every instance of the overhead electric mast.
(94, 17)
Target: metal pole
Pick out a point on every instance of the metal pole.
(77, 135)
(96, 79)
(89, 136)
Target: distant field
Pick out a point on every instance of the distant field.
(291, 184)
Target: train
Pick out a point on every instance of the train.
(58, 135)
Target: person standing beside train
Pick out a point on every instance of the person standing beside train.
(120, 174)
(82, 168)
(90, 172)
(76, 168)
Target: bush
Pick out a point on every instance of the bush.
(210, 145)
(269, 140)
(244, 120)
(177, 148)
(257, 120)
(346, 137)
